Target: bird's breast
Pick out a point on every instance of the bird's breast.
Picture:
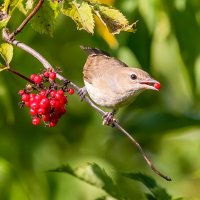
(105, 94)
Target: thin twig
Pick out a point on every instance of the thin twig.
(47, 65)
(28, 18)
(148, 161)
(20, 75)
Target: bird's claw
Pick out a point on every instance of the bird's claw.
(82, 92)
(108, 119)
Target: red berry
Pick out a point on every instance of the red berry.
(52, 124)
(53, 93)
(62, 111)
(33, 111)
(52, 75)
(27, 103)
(70, 91)
(32, 76)
(34, 105)
(43, 93)
(36, 121)
(61, 92)
(21, 92)
(58, 96)
(41, 111)
(32, 95)
(55, 104)
(45, 118)
(25, 97)
(46, 74)
(44, 102)
(37, 79)
(63, 100)
(37, 98)
(157, 86)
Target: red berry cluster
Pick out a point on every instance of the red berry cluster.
(45, 98)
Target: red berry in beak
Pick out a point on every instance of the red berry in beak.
(157, 86)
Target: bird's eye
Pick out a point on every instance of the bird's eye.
(133, 76)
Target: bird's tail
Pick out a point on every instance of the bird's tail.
(93, 51)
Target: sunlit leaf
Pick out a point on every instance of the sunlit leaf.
(113, 19)
(5, 6)
(22, 9)
(6, 51)
(94, 175)
(81, 14)
(29, 4)
(2, 67)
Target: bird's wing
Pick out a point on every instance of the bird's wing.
(93, 51)
(99, 64)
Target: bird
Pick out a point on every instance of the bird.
(111, 83)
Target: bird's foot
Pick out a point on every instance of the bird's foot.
(108, 119)
(82, 92)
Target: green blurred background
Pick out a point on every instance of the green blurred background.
(167, 45)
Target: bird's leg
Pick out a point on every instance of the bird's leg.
(108, 118)
(82, 92)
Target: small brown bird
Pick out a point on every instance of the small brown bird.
(111, 83)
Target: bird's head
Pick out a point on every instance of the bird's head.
(137, 80)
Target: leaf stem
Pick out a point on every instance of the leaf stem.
(47, 65)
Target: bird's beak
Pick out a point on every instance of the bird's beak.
(150, 84)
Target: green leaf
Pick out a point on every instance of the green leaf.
(113, 19)
(106, 198)
(150, 197)
(44, 20)
(158, 192)
(6, 51)
(81, 13)
(180, 198)
(94, 175)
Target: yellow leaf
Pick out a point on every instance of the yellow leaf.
(113, 19)
(6, 51)
(81, 14)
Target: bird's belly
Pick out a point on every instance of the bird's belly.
(108, 98)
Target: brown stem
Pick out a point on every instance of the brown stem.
(22, 25)
(47, 65)
(20, 75)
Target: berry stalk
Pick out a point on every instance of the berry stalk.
(20, 75)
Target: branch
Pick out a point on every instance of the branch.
(47, 65)
(29, 17)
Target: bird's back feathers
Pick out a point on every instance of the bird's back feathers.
(99, 63)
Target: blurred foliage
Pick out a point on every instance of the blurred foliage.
(166, 44)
